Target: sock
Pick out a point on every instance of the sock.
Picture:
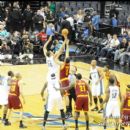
(45, 117)
(21, 122)
(76, 123)
(100, 100)
(95, 100)
(87, 124)
(105, 127)
(62, 116)
(4, 116)
(67, 109)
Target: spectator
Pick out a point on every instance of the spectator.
(96, 20)
(52, 7)
(42, 36)
(80, 17)
(38, 21)
(128, 22)
(125, 57)
(66, 24)
(16, 44)
(122, 48)
(27, 51)
(114, 21)
(4, 35)
(50, 18)
(5, 51)
(50, 29)
(27, 16)
(108, 49)
(16, 19)
(104, 45)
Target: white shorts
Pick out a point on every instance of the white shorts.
(53, 101)
(3, 96)
(112, 109)
(97, 90)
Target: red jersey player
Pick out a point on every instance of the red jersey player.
(64, 73)
(82, 102)
(14, 101)
(125, 109)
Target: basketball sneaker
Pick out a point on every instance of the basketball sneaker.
(43, 128)
(22, 126)
(7, 123)
(94, 109)
(64, 127)
(100, 111)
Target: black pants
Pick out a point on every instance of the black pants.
(71, 96)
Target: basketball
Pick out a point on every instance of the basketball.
(64, 32)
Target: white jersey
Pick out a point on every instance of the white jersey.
(4, 90)
(112, 106)
(94, 75)
(53, 84)
(114, 93)
(51, 64)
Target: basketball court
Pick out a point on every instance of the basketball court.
(34, 77)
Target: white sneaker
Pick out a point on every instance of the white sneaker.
(64, 127)
(43, 128)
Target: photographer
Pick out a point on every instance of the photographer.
(27, 52)
(5, 52)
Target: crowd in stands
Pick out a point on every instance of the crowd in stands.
(24, 31)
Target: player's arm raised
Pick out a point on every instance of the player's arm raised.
(58, 53)
(46, 44)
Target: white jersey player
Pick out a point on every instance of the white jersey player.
(4, 90)
(96, 77)
(112, 108)
(54, 97)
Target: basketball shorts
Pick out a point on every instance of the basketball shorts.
(53, 101)
(112, 109)
(81, 104)
(97, 90)
(14, 102)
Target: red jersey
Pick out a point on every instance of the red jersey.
(64, 71)
(81, 88)
(127, 101)
(14, 88)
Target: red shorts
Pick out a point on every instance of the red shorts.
(65, 83)
(14, 102)
(81, 104)
(126, 117)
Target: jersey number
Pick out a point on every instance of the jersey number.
(82, 88)
(128, 103)
(13, 88)
(114, 95)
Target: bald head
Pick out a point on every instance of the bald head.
(18, 76)
(93, 63)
